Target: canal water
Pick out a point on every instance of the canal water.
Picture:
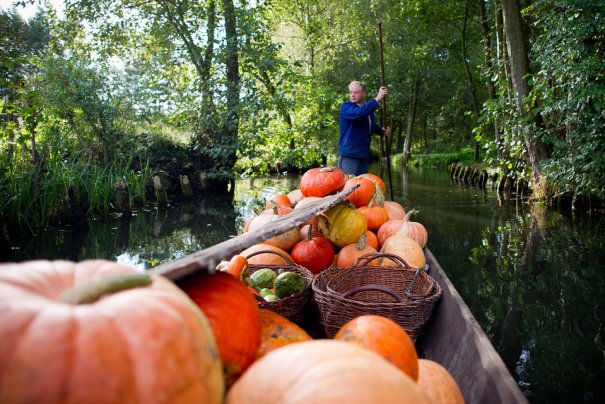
(534, 278)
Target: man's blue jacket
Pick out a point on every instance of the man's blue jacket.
(357, 123)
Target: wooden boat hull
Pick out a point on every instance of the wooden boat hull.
(454, 338)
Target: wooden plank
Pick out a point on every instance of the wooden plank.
(208, 258)
(454, 338)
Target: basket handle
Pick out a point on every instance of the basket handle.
(408, 290)
(371, 256)
(288, 260)
(380, 288)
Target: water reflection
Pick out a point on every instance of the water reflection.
(152, 236)
(533, 277)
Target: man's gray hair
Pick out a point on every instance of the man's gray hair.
(359, 84)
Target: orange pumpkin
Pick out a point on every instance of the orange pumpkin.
(235, 266)
(388, 230)
(285, 240)
(233, 315)
(295, 197)
(438, 384)
(144, 344)
(349, 254)
(313, 253)
(265, 258)
(375, 215)
(277, 331)
(377, 180)
(281, 200)
(414, 230)
(362, 195)
(372, 240)
(394, 209)
(406, 248)
(324, 371)
(322, 181)
(384, 337)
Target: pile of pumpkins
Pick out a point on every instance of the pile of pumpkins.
(96, 332)
(364, 223)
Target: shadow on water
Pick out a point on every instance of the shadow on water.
(534, 278)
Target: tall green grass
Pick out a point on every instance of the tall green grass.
(34, 197)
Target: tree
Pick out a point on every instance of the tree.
(170, 31)
(518, 54)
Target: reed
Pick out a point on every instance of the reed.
(32, 198)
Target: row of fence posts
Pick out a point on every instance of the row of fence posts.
(476, 177)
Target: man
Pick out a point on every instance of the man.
(357, 123)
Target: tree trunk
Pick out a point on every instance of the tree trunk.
(518, 53)
(407, 145)
(400, 134)
(206, 63)
(230, 140)
(272, 91)
(469, 75)
(487, 63)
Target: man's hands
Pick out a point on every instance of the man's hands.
(386, 131)
(383, 92)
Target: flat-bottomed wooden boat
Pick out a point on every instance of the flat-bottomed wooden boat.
(452, 337)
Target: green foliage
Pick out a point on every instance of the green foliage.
(565, 108)
(62, 129)
(463, 156)
(569, 89)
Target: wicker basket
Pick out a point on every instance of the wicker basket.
(290, 307)
(403, 294)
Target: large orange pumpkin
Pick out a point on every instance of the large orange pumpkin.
(385, 337)
(322, 181)
(343, 224)
(233, 315)
(438, 384)
(414, 230)
(350, 253)
(265, 258)
(277, 331)
(146, 344)
(362, 195)
(388, 230)
(377, 180)
(375, 215)
(406, 248)
(394, 209)
(313, 253)
(324, 371)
